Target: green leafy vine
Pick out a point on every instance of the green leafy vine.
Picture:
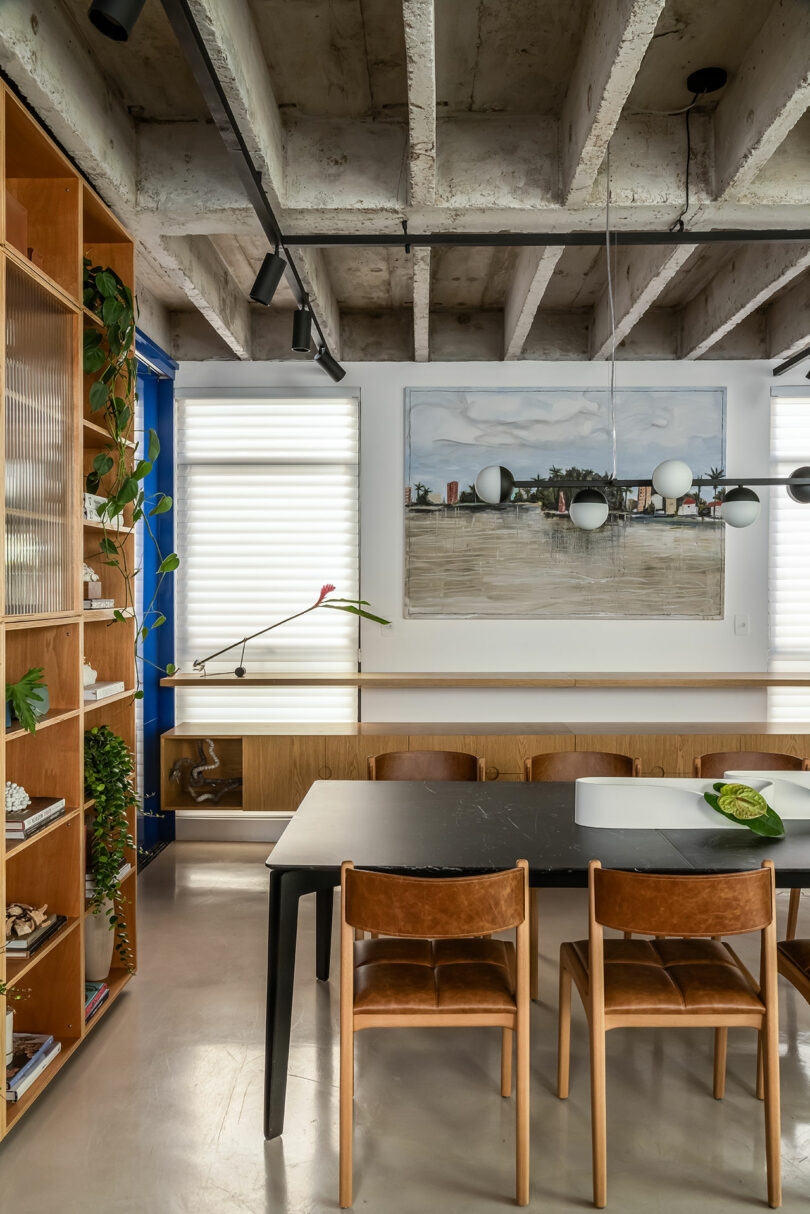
(117, 471)
(108, 780)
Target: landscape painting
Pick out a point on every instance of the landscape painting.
(653, 559)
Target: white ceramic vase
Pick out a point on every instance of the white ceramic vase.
(99, 942)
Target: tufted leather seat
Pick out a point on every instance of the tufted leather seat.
(434, 976)
(650, 976)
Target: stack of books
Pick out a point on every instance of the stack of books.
(94, 995)
(22, 823)
(100, 691)
(99, 604)
(26, 946)
(90, 881)
(33, 1052)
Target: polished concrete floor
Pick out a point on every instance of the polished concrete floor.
(160, 1112)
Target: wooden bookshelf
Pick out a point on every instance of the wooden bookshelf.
(49, 220)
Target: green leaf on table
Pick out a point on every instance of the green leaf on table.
(745, 806)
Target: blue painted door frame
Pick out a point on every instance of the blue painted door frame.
(156, 371)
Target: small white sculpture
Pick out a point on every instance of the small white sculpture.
(88, 574)
(89, 675)
(16, 797)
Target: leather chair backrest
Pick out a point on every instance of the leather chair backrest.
(683, 906)
(712, 766)
(424, 765)
(434, 908)
(573, 764)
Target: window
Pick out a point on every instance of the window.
(789, 571)
(266, 513)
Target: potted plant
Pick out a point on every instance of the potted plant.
(108, 780)
(27, 699)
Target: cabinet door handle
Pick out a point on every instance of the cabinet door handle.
(492, 773)
(325, 773)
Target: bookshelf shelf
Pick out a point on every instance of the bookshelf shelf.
(93, 705)
(106, 613)
(49, 220)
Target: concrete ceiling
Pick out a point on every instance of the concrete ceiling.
(459, 116)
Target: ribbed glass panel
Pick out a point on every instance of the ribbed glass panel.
(266, 512)
(789, 567)
(40, 562)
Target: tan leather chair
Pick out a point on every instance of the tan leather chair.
(426, 765)
(575, 764)
(712, 766)
(431, 970)
(691, 981)
(568, 765)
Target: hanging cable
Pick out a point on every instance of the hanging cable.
(677, 226)
(611, 308)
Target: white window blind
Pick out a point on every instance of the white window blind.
(789, 566)
(266, 513)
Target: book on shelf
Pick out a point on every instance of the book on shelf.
(29, 1051)
(95, 993)
(98, 604)
(90, 881)
(20, 823)
(43, 1062)
(99, 691)
(26, 946)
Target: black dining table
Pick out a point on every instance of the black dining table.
(438, 829)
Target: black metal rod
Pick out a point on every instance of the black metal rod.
(193, 47)
(509, 239)
(699, 482)
(792, 361)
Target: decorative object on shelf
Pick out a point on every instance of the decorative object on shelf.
(91, 583)
(588, 509)
(108, 771)
(109, 357)
(27, 700)
(743, 804)
(23, 919)
(353, 606)
(89, 675)
(94, 505)
(17, 799)
(190, 776)
(740, 507)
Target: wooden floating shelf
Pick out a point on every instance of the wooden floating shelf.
(106, 613)
(756, 680)
(91, 525)
(116, 981)
(50, 718)
(94, 431)
(91, 316)
(18, 968)
(15, 846)
(17, 622)
(92, 705)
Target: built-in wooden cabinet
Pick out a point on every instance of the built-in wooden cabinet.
(49, 218)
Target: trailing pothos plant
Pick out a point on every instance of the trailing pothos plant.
(118, 470)
(108, 780)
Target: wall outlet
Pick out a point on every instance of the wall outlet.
(742, 625)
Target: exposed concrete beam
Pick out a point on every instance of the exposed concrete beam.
(194, 265)
(765, 99)
(744, 283)
(613, 45)
(418, 18)
(228, 30)
(788, 321)
(315, 277)
(53, 69)
(533, 271)
(421, 305)
(639, 277)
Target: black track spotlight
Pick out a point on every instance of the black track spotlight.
(268, 278)
(115, 18)
(330, 365)
(302, 330)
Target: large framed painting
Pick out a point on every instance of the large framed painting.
(653, 559)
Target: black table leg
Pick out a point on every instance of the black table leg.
(286, 888)
(324, 898)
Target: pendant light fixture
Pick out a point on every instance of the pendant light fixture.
(115, 18)
(672, 478)
(588, 509)
(800, 493)
(494, 484)
(741, 507)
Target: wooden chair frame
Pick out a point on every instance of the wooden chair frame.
(372, 760)
(697, 762)
(512, 1024)
(591, 987)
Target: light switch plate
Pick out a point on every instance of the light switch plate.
(742, 625)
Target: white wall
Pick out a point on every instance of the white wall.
(539, 645)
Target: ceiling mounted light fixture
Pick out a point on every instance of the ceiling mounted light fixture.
(302, 329)
(115, 18)
(588, 509)
(741, 507)
(494, 484)
(330, 365)
(267, 280)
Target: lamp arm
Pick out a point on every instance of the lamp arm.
(200, 662)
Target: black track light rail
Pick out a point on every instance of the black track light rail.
(793, 361)
(405, 240)
(699, 482)
(196, 55)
